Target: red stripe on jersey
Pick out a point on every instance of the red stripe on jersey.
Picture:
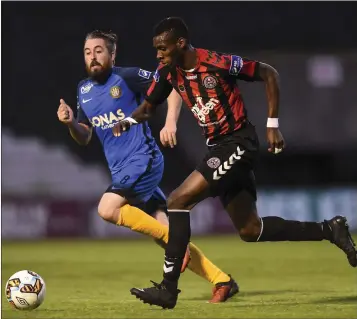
(248, 67)
(230, 109)
(151, 88)
(195, 88)
(182, 90)
(236, 105)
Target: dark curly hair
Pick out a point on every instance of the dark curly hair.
(176, 26)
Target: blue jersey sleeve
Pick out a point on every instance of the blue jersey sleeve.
(81, 116)
(138, 80)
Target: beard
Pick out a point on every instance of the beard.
(101, 72)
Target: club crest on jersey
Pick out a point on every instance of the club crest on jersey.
(144, 74)
(209, 82)
(181, 88)
(214, 162)
(115, 92)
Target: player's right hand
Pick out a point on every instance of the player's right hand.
(65, 113)
(120, 127)
(168, 135)
(275, 140)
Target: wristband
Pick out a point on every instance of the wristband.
(131, 120)
(273, 122)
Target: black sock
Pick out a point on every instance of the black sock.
(279, 229)
(179, 237)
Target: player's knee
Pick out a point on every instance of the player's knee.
(251, 231)
(107, 213)
(177, 200)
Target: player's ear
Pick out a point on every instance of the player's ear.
(114, 54)
(181, 43)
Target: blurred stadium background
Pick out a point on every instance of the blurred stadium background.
(51, 186)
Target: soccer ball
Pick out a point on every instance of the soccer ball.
(25, 290)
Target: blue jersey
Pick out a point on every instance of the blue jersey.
(103, 105)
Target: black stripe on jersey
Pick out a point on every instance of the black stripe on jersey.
(144, 126)
(227, 108)
(138, 98)
(188, 89)
(174, 80)
(212, 115)
(148, 140)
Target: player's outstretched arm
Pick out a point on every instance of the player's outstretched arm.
(80, 132)
(141, 114)
(168, 132)
(158, 92)
(271, 78)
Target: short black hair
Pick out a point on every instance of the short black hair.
(110, 38)
(176, 26)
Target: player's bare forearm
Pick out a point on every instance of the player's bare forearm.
(271, 78)
(174, 104)
(143, 112)
(81, 133)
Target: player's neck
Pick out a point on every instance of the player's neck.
(189, 60)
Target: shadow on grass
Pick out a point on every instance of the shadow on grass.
(338, 300)
(244, 294)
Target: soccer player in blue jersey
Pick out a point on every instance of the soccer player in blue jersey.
(135, 161)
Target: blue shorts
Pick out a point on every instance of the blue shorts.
(138, 181)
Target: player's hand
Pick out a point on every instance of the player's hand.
(120, 127)
(65, 113)
(275, 140)
(168, 135)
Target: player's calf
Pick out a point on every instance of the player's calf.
(251, 231)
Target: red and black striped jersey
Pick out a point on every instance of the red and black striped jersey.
(210, 90)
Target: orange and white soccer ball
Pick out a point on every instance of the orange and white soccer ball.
(25, 290)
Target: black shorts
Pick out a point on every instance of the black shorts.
(154, 204)
(229, 164)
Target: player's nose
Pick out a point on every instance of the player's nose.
(159, 56)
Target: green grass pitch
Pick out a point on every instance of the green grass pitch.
(91, 279)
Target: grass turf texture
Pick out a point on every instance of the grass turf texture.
(91, 279)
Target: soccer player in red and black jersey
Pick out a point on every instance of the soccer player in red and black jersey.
(206, 81)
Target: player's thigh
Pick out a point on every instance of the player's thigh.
(243, 212)
(161, 217)
(138, 180)
(156, 203)
(193, 190)
(110, 204)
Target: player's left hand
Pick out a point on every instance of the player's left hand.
(120, 127)
(168, 135)
(275, 140)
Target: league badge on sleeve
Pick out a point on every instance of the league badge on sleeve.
(157, 76)
(236, 65)
(144, 74)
